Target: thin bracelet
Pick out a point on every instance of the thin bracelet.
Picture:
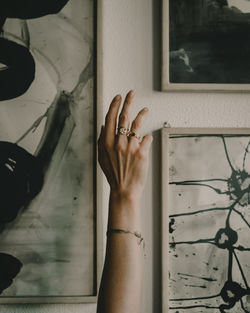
(125, 231)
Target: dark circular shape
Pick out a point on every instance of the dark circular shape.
(238, 182)
(26, 9)
(226, 238)
(19, 73)
(232, 292)
(9, 268)
(21, 179)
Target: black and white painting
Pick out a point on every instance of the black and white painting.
(206, 44)
(208, 223)
(47, 159)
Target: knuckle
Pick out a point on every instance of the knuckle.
(128, 103)
(123, 117)
(120, 147)
(137, 123)
(132, 147)
(141, 155)
(131, 151)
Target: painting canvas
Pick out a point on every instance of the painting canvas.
(206, 45)
(47, 161)
(206, 220)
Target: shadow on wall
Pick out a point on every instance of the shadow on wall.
(156, 207)
(156, 33)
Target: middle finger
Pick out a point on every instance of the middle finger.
(125, 112)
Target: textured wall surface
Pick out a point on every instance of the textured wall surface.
(131, 59)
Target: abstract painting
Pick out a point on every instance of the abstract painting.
(206, 45)
(47, 160)
(206, 230)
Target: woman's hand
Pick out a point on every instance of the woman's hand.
(124, 159)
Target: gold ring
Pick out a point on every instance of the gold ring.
(123, 130)
(133, 134)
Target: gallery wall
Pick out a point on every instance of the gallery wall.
(130, 58)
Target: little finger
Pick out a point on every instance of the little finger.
(146, 143)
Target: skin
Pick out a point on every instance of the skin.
(124, 161)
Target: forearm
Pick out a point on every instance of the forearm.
(124, 161)
(121, 285)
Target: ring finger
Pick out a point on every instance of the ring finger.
(137, 124)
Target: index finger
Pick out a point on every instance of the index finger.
(110, 119)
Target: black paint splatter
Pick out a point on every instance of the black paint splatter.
(171, 223)
(199, 277)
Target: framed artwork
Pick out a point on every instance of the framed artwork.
(50, 240)
(205, 45)
(205, 220)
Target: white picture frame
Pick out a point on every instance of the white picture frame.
(204, 284)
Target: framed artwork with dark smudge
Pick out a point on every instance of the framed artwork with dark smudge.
(48, 220)
(206, 45)
(205, 220)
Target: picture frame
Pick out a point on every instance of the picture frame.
(88, 278)
(204, 45)
(204, 220)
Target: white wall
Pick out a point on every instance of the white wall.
(131, 59)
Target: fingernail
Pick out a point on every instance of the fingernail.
(118, 97)
(145, 109)
(132, 93)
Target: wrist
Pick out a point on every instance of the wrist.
(125, 200)
(124, 211)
